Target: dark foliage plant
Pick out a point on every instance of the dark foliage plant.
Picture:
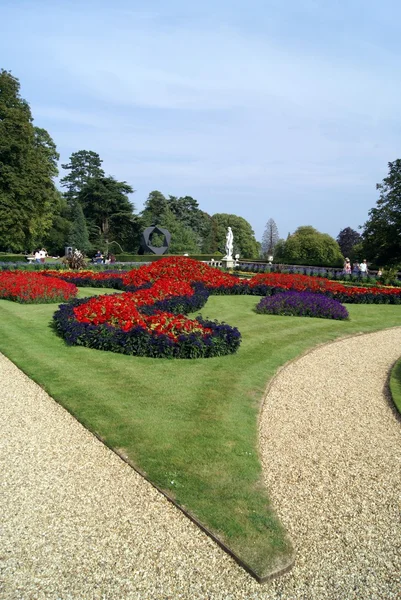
(302, 304)
(114, 283)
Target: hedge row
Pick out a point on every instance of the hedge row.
(152, 257)
(12, 258)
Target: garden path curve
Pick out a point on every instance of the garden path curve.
(78, 523)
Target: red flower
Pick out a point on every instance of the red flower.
(315, 284)
(123, 310)
(34, 288)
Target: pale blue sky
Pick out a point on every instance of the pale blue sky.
(263, 108)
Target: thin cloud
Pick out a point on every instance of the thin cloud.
(296, 101)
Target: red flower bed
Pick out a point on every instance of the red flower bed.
(180, 269)
(183, 269)
(34, 288)
(122, 310)
(67, 275)
(148, 322)
(302, 283)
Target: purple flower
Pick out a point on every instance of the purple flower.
(302, 304)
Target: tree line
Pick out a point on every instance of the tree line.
(93, 210)
(307, 246)
(379, 242)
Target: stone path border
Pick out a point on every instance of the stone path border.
(79, 523)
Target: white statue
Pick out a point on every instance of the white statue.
(229, 244)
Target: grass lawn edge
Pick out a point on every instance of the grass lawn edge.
(395, 385)
(282, 565)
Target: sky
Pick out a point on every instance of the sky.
(261, 108)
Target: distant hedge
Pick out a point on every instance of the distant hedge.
(295, 263)
(13, 258)
(152, 257)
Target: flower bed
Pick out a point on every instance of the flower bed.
(107, 279)
(149, 315)
(148, 322)
(34, 288)
(302, 304)
(181, 269)
(266, 283)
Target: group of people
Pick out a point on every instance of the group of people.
(40, 255)
(356, 268)
(99, 258)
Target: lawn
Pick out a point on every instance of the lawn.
(395, 385)
(189, 425)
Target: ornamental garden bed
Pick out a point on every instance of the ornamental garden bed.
(34, 288)
(302, 304)
(189, 425)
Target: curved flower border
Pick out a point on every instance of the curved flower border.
(158, 327)
(149, 336)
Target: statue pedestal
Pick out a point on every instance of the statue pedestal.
(228, 263)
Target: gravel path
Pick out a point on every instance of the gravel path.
(78, 523)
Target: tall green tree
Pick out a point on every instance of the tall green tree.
(83, 166)
(47, 149)
(155, 208)
(183, 238)
(28, 164)
(307, 246)
(57, 237)
(79, 236)
(186, 210)
(245, 242)
(382, 231)
(269, 239)
(347, 240)
(158, 211)
(108, 211)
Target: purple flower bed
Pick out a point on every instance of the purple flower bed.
(302, 304)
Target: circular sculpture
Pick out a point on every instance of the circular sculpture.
(145, 240)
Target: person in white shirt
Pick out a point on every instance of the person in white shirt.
(37, 256)
(42, 255)
(363, 267)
